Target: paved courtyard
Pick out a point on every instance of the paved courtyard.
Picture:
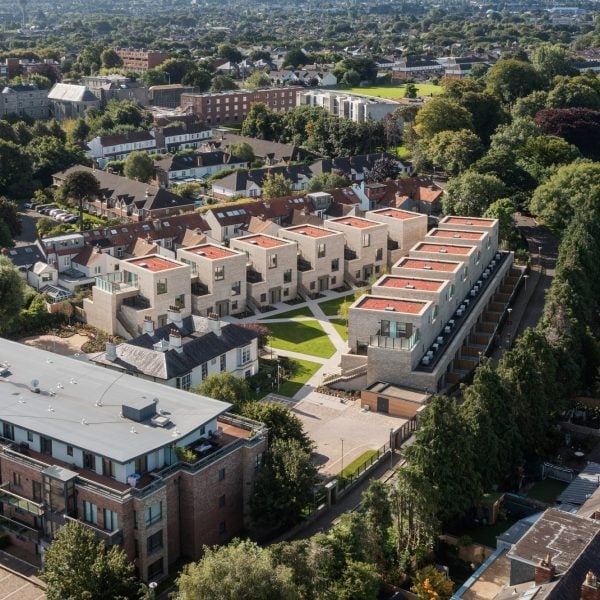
(15, 587)
(328, 421)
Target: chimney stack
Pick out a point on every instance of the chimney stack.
(590, 590)
(174, 316)
(148, 326)
(111, 351)
(214, 324)
(175, 340)
(544, 571)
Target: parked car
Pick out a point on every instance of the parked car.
(54, 211)
(30, 205)
(60, 213)
(71, 219)
(46, 208)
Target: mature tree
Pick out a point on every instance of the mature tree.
(261, 123)
(326, 181)
(540, 156)
(284, 487)
(503, 210)
(221, 83)
(551, 60)
(50, 155)
(12, 295)
(514, 135)
(431, 584)
(359, 581)
(44, 226)
(76, 565)
(257, 79)
(153, 77)
(110, 59)
(79, 185)
(138, 165)
(79, 131)
(241, 570)
(471, 193)
(276, 185)
(579, 126)
(229, 52)
(15, 171)
(280, 421)
(572, 186)
(410, 90)
(242, 150)
(569, 93)
(510, 79)
(365, 67)
(486, 112)
(176, 68)
(261, 330)
(378, 519)
(454, 151)
(9, 215)
(294, 58)
(530, 105)
(225, 387)
(384, 168)
(199, 77)
(6, 239)
(441, 114)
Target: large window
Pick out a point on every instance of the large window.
(236, 288)
(335, 264)
(8, 431)
(287, 276)
(393, 329)
(111, 521)
(272, 261)
(204, 371)
(108, 468)
(184, 382)
(153, 514)
(141, 464)
(321, 251)
(245, 355)
(90, 512)
(219, 273)
(45, 445)
(223, 362)
(366, 240)
(379, 254)
(89, 461)
(161, 286)
(155, 569)
(154, 542)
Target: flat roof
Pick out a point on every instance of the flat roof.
(412, 307)
(396, 213)
(479, 222)
(456, 234)
(429, 265)
(397, 391)
(407, 283)
(442, 248)
(154, 263)
(211, 252)
(264, 241)
(357, 222)
(80, 404)
(311, 231)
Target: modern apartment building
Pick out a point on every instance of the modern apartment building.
(351, 106)
(366, 246)
(24, 100)
(233, 106)
(141, 287)
(320, 258)
(218, 279)
(82, 443)
(272, 274)
(141, 60)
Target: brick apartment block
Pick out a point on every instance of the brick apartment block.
(141, 60)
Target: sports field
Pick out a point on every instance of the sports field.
(397, 91)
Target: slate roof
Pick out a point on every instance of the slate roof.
(199, 159)
(128, 137)
(68, 92)
(24, 256)
(582, 487)
(199, 345)
(274, 151)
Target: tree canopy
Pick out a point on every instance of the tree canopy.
(138, 165)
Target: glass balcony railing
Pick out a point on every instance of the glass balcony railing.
(394, 343)
(20, 502)
(19, 529)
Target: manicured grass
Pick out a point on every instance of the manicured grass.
(341, 327)
(303, 371)
(306, 337)
(352, 468)
(397, 91)
(332, 307)
(546, 490)
(304, 311)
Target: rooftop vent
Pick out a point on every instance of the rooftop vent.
(428, 267)
(160, 421)
(4, 369)
(139, 409)
(390, 308)
(443, 251)
(456, 235)
(408, 286)
(35, 386)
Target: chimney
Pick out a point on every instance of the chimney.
(590, 590)
(214, 324)
(544, 571)
(174, 316)
(111, 351)
(175, 340)
(148, 326)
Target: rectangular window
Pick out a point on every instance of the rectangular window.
(17, 479)
(154, 542)
(184, 382)
(223, 362)
(156, 569)
(90, 512)
(89, 461)
(366, 240)
(180, 301)
(222, 501)
(36, 491)
(287, 276)
(141, 464)
(321, 251)
(30, 436)
(161, 286)
(272, 261)
(45, 445)
(335, 264)
(263, 297)
(153, 514)
(204, 371)
(245, 355)
(69, 450)
(108, 468)
(236, 288)
(111, 521)
(312, 285)
(222, 474)
(379, 254)
(219, 273)
(8, 431)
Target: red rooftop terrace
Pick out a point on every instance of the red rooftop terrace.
(468, 221)
(410, 283)
(429, 265)
(211, 252)
(443, 248)
(355, 222)
(396, 213)
(392, 305)
(263, 241)
(154, 263)
(458, 235)
(310, 231)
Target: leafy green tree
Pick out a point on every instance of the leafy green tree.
(79, 132)
(261, 123)
(15, 171)
(510, 79)
(283, 488)
(384, 168)
(50, 155)
(454, 151)
(441, 114)
(486, 112)
(431, 584)
(224, 386)
(242, 150)
(410, 90)
(229, 52)
(138, 165)
(276, 185)
(76, 565)
(569, 93)
(79, 185)
(6, 239)
(540, 156)
(294, 58)
(350, 79)
(378, 519)
(199, 77)
(503, 210)
(358, 581)
(153, 77)
(176, 68)
(551, 60)
(471, 193)
(110, 59)
(44, 226)
(242, 570)
(9, 215)
(326, 181)
(221, 83)
(530, 105)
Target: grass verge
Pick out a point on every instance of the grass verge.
(397, 91)
(332, 307)
(341, 327)
(351, 470)
(306, 337)
(303, 371)
(304, 311)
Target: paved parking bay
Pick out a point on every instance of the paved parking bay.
(15, 587)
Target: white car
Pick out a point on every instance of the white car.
(70, 219)
(53, 212)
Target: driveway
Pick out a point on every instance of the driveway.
(29, 233)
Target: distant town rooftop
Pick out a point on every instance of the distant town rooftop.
(310, 231)
(429, 265)
(476, 221)
(396, 213)
(412, 283)
(457, 235)
(154, 263)
(211, 252)
(443, 248)
(355, 222)
(264, 241)
(392, 305)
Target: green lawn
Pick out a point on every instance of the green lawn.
(306, 337)
(304, 370)
(304, 311)
(341, 327)
(546, 490)
(397, 91)
(351, 469)
(332, 307)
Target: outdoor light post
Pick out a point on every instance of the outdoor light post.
(152, 585)
(480, 355)
(525, 277)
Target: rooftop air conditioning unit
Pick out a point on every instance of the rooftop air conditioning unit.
(456, 235)
(443, 251)
(408, 286)
(428, 267)
(390, 308)
(160, 420)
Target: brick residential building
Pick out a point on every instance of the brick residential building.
(141, 60)
(81, 443)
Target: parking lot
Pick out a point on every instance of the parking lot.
(328, 421)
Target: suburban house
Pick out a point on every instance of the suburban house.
(142, 59)
(460, 67)
(70, 101)
(351, 106)
(199, 165)
(124, 198)
(118, 146)
(137, 288)
(272, 271)
(103, 448)
(24, 100)
(185, 352)
(365, 253)
(178, 136)
(320, 258)
(218, 279)
(417, 67)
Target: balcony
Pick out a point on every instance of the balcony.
(304, 265)
(394, 343)
(117, 282)
(392, 245)
(110, 538)
(350, 254)
(253, 276)
(138, 302)
(20, 502)
(19, 529)
(199, 289)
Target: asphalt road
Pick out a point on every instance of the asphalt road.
(29, 233)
